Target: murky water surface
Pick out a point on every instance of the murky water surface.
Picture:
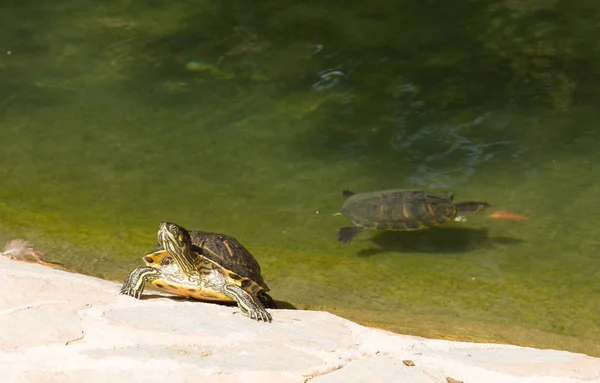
(250, 118)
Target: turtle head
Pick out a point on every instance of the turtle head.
(177, 242)
(173, 234)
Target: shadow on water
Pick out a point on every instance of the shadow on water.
(437, 240)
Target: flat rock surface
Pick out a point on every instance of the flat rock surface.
(64, 327)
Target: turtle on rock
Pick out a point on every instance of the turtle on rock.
(203, 265)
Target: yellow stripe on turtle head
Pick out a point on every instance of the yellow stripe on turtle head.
(177, 242)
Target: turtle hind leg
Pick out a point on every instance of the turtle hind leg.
(346, 234)
(267, 300)
(250, 305)
(135, 282)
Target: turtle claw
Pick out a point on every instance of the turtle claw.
(251, 305)
(260, 315)
(265, 316)
(126, 290)
(131, 284)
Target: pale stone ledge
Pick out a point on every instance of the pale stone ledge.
(65, 327)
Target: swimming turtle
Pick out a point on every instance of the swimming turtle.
(401, 210)
(203, 265)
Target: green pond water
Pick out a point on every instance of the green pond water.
(250, 118)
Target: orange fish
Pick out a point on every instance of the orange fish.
(504, 215)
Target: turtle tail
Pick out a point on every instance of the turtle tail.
(471, 207)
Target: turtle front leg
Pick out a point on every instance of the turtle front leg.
(136, 280)
(250, 305)
(346, 234)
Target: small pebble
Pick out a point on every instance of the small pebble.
(409, 363)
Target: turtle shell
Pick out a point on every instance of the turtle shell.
(399, 209)
(228, 253)
(224, 251)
